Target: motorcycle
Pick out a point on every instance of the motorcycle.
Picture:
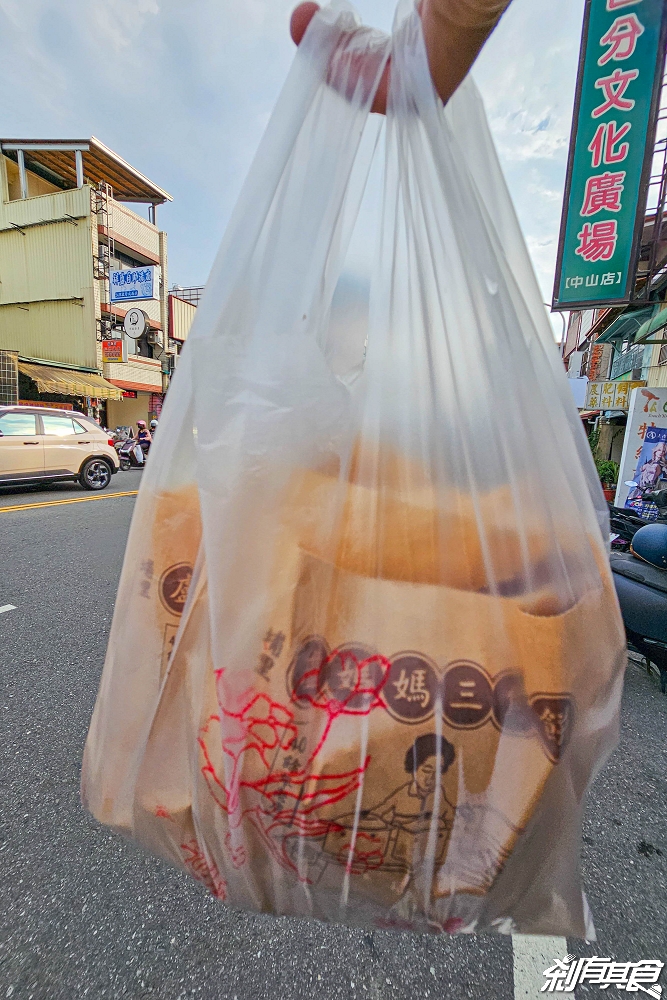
(641, 588)
(130, 454)
(625, 522)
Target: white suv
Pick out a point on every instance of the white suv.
(39, 444)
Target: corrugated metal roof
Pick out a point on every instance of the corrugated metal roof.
(100, 164)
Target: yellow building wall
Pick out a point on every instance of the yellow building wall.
(75, 202)
(36, 184)
(142, 371)
(657, 373)
(4, 185)
(52, 331)
(47, 295)
(45, 262)
(126, 412)
(140, 232)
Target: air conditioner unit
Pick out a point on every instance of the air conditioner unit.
(153, 336)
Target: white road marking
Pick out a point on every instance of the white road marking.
(7, 607)
(534, 954)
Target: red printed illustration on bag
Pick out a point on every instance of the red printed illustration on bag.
(202, 870)
(237, 853)
(264, 780)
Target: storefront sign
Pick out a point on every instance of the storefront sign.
(611, 148)
(644, 458)
(135, 323)
(136, 283)
(599, 362)
(114, 351)
(609, 395)
(50, 406)
(129, 394)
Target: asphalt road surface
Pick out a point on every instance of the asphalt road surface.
(84, 914)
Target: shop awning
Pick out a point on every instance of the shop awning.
(588, 414)
(650, 327)
(67, 382)
(626, 325)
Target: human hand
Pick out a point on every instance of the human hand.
(301, 18)
(454, 33)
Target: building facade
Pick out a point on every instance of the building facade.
(65, 227)
(623, 344)
(627, 343)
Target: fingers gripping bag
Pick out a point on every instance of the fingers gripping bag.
(366, 656)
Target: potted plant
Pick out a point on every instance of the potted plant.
(608, 473)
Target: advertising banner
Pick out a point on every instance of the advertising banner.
(135, 283)
(644, 458)
(114, 351)
(618, 87)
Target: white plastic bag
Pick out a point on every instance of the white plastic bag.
(366, 655)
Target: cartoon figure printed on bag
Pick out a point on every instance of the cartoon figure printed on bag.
(393, 833)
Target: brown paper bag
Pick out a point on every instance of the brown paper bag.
(161, 553)
(389, 740)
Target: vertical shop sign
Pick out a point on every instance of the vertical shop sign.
(618, 91)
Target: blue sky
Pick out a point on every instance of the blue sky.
(183, 91)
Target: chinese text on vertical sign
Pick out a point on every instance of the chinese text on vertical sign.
(620, 73)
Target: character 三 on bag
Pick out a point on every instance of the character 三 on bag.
(366, 655)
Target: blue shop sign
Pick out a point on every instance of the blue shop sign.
(133, 284)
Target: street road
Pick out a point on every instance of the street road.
(84, 914)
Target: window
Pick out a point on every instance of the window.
(19, 424)
(58, 426)
(79, 428)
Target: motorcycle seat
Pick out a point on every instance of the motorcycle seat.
(627, 565)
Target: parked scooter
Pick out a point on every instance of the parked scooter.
(625, 523)
(640, 577)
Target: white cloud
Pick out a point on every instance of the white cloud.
(527, 75)
(184, 91)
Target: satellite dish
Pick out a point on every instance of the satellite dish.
(135, 323)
